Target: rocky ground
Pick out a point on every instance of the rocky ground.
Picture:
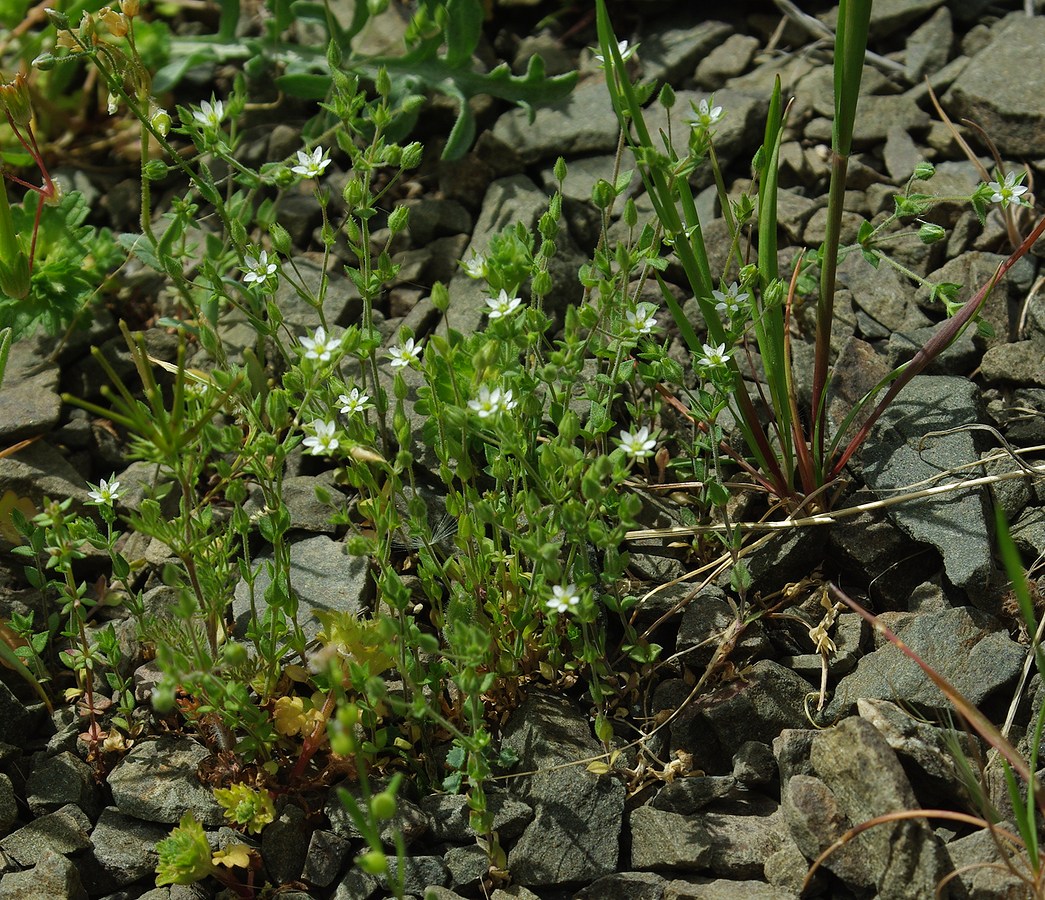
(765, 782)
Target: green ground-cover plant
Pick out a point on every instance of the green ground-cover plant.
(54, 541)
(540, 434)
(533, 478)
(50, 267)
(798, 456)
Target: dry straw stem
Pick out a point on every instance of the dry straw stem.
(829, 518)
(819, 30)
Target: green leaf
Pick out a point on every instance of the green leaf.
(423, 63)
(464, 27)
(305, 85)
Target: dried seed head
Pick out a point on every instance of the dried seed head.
(14, 98)
(116, 22)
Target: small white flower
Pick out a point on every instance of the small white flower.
(1007, 191)
(638, 445)
(403, 356)
(323, 439)
(564, 599)
(641, 320)
(475, 267)
(706, 114)
(492, 402)
(258, 269)
(730, 299)
(210, 115)
(311, 165)
(106, 493)
(714, 356)
(502, 304)
(113, 104)
(319, 346)
(353, 402)
(626, 51)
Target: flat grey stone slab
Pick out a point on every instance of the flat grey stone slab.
(157, 782)
(901, 452)
(1001, 88)
(988, 660)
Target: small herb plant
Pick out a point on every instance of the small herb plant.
(796, 457)
(503, 561)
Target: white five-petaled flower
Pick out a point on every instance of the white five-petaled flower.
(730, 299)
(641, 320)
(106, 493)
(323, 438)
(403, 356)
(353, 402)
(320, 346)
(311, 165)
(626, 51)
(258, 269)
(474, 267)
(714, 356)
(564, 599)
(1008, 191)
(492, 402)
(638, 445)
(502, 304)
(706, 114)
(210, 114)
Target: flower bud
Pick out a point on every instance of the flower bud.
(280, 238)
(397, 219)
(924, 171)
(353, 192)
(58, 19)
(411, 157)
(930, 234)
(234, 653)
(602, 194)
(383, 84)
(161, 121)
(155, 170)
(44, 62)
(130, 8)
(542, 283)
(383, 806)
(373, 862)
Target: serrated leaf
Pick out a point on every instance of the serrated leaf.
(423, 63)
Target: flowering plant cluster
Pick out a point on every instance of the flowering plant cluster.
(541, 432)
